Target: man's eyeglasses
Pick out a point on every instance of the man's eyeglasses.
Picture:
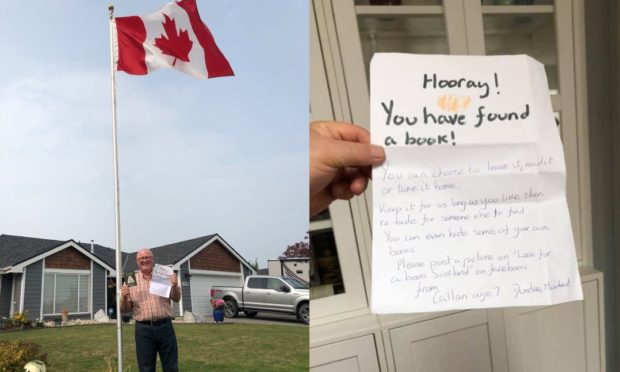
(144, 258)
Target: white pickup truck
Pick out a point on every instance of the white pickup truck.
(265, 293)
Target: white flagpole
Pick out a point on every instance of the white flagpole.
(119, 269)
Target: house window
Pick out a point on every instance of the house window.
(66, 291)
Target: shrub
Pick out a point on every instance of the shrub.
(21, 319)
(14, 355)
(7, 323)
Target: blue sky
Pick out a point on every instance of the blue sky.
(225, 155)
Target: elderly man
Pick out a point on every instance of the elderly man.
(154, 333)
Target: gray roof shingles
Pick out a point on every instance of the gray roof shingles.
(169, 254)
(107, 255)
(16, 249)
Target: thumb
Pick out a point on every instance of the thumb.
(354, 154)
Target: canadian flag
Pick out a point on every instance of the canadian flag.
(173, 37)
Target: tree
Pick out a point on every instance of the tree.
(255, 264)
(298, 250)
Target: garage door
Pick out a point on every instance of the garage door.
(201, 290)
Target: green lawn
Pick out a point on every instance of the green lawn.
(202, 347)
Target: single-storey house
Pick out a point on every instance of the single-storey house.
(200, 263)
(43, 276)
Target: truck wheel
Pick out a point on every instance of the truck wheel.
(250, 313)
(303, 313)
(231, 310)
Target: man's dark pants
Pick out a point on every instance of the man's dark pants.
(151, 339)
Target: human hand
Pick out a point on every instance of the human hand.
(125, 291)
(341, 158)
(174, 280)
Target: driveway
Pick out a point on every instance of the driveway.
(260, 318)
(267, 318)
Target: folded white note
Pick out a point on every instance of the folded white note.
(469, 210)
(160, 282)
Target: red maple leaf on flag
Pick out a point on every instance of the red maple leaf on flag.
(176, 45)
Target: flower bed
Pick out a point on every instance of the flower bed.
(19, 321)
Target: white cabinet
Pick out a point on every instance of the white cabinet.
(342, 293)
(357, 354)
(344, 335)
(548, 32)
(457, 342)
(565, 337)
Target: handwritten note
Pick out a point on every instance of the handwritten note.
(160, 281)
(469, 210)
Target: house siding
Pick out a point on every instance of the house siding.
(176, 306)
(215, 257)
(176, 309)
(246, 272)
(100, 288)
(185, 291)
(69, 258)
(5, 295)
(32, 289)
